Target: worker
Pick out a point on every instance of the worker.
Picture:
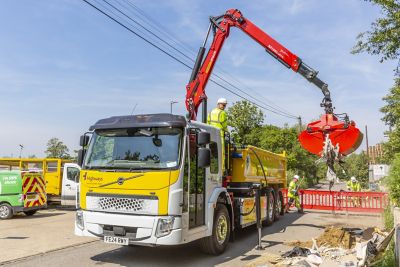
(293, 195)
(218, 118)
(353, 185)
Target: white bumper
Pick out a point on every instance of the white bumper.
(145, 227)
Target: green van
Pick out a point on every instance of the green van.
(21, 191)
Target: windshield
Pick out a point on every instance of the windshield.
(134, 148)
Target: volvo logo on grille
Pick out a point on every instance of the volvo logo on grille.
(121, 180)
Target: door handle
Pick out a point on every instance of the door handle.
(67, 185)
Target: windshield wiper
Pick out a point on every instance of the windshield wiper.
(121, 180)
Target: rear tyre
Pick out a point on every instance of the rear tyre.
(278, 205)
(270, 208)
(6, 212)
(30, 212)
(283, 206)
(218, 241)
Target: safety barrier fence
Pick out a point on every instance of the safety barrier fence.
(342, 200)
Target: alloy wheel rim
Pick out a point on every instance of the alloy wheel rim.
(4, 211)
(222, 229)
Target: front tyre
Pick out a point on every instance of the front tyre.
(218, 241)
(6, 212)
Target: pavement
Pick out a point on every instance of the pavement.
(53, 230)
(47, 230)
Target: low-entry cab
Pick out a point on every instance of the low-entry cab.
(151, 180)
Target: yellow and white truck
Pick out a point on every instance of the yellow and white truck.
(158, 179)
(61, 176)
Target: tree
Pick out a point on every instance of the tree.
(244, 117)
(393, 180)
(57, 149)
(384, 37)
(278, 140)
(391, 118)
(357, 165)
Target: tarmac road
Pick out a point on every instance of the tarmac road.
(291, 227)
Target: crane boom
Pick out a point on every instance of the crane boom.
(195, 90)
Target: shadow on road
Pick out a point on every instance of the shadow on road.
(21, 216)
(190, 254)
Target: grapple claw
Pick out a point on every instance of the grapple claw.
(343, 134)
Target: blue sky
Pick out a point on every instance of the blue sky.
(63, 65)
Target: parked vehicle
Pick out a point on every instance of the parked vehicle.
(21, 191)
(61, 176)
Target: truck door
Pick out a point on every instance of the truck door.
(70, 183)
(196, 185)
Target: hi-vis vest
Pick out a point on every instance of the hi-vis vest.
(292, 189)
(355, 187)
(217, 117)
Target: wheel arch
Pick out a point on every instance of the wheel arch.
(220, 195)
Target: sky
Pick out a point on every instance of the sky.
(64, 65)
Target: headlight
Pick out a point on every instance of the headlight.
(164, 226)
(79, 219)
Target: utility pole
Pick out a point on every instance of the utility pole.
(171, 103)
(300, 124)
(21, 147)
(370, 174)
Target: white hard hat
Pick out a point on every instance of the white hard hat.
(353, 179)
(296, 177)
(222, 101)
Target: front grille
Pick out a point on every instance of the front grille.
(122, 203)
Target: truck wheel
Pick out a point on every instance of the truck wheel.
(282, 203)
(278, 205)
(30, 212)
(6, 211)
(218, 241)
(270, 208)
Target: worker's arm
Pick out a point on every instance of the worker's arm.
(223, 119)
(195, 90)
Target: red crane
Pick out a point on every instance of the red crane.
(343, 135)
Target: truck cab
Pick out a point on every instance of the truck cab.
(152, 180)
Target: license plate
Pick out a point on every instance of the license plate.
(30, 197)
(116, 240)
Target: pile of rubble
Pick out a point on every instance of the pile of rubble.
(338, 247)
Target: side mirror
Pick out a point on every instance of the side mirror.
(84, 140)
(81, 155)
(204, 157)
(203, 138)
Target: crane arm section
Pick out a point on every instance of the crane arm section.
(195, 90)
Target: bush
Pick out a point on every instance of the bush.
(393, 181)
(388, 219)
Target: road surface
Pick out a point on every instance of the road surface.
(291, 227)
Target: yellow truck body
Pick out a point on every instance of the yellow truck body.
(51, 169)
(251, 163)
